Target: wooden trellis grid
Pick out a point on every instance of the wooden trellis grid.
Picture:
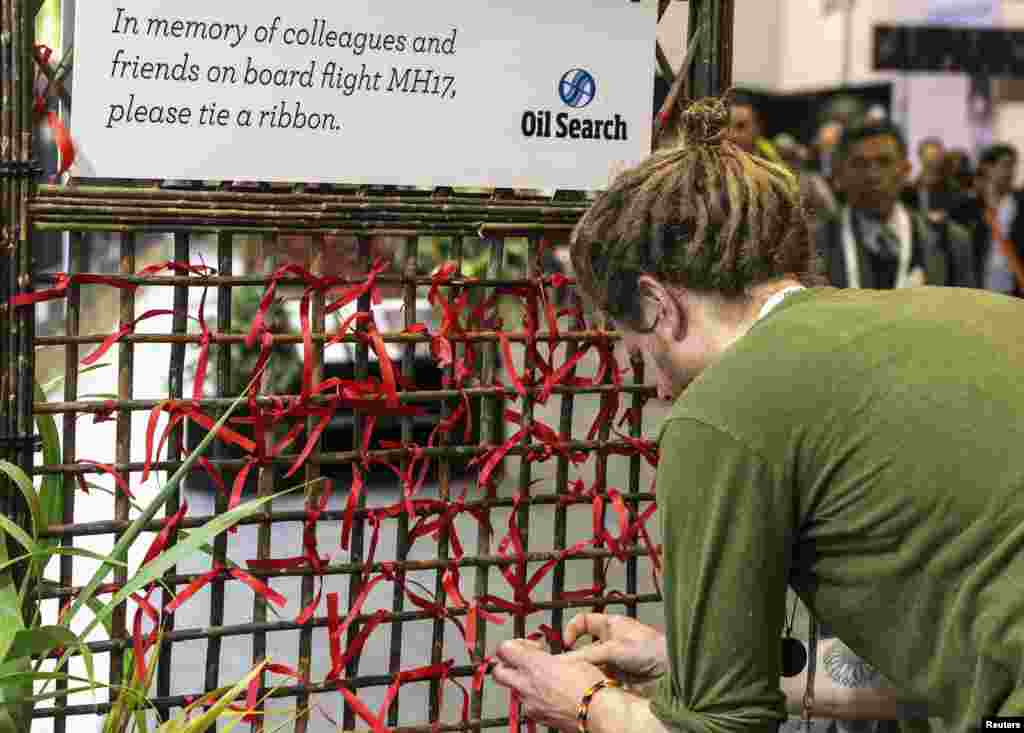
(327, 217)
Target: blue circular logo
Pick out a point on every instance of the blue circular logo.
(577, 88)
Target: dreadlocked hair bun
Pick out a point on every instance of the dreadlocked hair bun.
(703, 215)
(705, 122)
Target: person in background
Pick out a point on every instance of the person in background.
(814, 189)
(791, 152)
(1004, 216)
(969, 208)
(876, 241)
(745, 128)
(959, 172)
(932, 193)
(825, 143)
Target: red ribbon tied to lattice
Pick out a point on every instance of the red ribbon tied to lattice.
(311, 411)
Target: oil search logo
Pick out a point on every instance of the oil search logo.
(577, 88)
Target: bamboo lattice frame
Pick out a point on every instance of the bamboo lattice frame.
(362, 214)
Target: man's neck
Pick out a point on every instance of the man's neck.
(743, 319)
(763, 293)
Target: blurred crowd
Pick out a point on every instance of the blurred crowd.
(957, 222)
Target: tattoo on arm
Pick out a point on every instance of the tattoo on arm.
(848, 670)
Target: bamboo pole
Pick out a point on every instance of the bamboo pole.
(105, 527)
(194, 281)
(294, 338)
(22, 324)
(365, 196)
(76, 196)
(487, 561)
(8, 269)
(347, 457)
(118, 212)
(369, 229)
(96, 407)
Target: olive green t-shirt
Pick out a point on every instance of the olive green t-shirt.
(868, 447)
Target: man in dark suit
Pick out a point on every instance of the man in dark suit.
(1004, 217)
(932, 193)
(876, 241)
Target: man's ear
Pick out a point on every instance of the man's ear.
(664, 306)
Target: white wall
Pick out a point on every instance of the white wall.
(791, 46)
(813, 43)
(672, 32)
(801, 49)
(757, 40)
(757, 35)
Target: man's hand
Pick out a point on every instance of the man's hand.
(549, 686)
(626, 649)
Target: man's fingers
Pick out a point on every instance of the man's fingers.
(508, 676)
(599, 654)
(594, 624)
(519, 653)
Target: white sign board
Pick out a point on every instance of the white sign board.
(491, 93)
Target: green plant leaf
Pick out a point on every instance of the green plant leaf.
(85, 597)
(11, 621)
(57, 381)
(136, 527)
(286, 722)
(24, 484)
(40, 641)
(15, 710)
(240, 718)
(32, 573)
(71, 640)
(133, 698)
(90, 668)
(204, 722)
(47, 696)
(73, 551)
(18, 535)
(10, 678)
(96, 606)
(8, 724)
(184, 548)
(140, 721)
(29, 642)
(51, 490)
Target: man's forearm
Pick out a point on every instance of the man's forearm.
(621, 711)
(643, 690)
(848, 688)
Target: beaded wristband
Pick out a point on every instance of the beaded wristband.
(583, 709)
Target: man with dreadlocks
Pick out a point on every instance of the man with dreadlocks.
(862, 445)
